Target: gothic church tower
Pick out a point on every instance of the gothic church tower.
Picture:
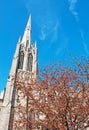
(25, 59)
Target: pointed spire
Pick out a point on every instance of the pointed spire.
(28, 27)
(27, 33)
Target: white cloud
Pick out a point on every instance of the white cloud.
(72, 8)
(44, 30)
(1, 94)
(76, 15)
(55, 31)
(72, 4)
(63, 46)
(43, 33)
(49, 28)
(45, 18)
(84, 43)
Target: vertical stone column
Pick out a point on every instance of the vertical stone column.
(25, 61)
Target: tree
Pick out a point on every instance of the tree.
(58, 100)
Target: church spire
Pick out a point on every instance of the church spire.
(26, 40)
(24, 61)
(28, 27)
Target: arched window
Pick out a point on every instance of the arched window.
(30, 62)
(27, 43)
(21, 60)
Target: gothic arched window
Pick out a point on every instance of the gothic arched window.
(21, 60)
(27, 43)
(30, 61)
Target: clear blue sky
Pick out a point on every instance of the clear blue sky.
(59, 26)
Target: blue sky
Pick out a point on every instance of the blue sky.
(60, 27)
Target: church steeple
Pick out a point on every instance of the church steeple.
(26, 40)
(24, 61)
(27, 52)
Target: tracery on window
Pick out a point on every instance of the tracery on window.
(30, 62)
(21, 60)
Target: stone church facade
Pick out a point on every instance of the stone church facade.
(25, 60)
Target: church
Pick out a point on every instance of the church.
(24, 67)
(24, 60)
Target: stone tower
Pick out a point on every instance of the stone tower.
(25, 59)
